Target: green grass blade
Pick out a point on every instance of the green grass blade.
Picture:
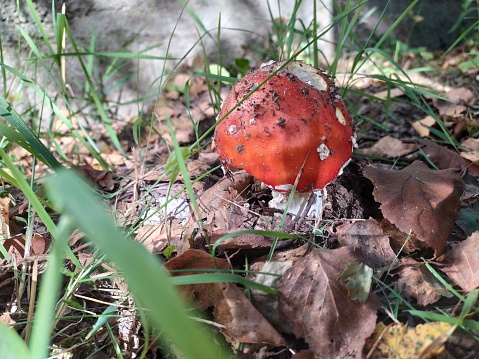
(143, 271)
(93, 93)
(39, 24)
(396, 23)
(220, 278)
(24, 136)
(12, 345)
(49, 293)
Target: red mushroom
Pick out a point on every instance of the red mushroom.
(296, 120)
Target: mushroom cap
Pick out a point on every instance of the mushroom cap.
(296, 117)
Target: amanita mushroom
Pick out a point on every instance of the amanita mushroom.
(294, 124)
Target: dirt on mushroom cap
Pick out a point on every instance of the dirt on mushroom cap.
(284, 123)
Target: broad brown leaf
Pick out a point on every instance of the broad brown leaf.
(367, 235)
(463, 263)
(241, 322)
(420, 200)
(445, 158)
(390, 147)
(317, 305)
(419, 283)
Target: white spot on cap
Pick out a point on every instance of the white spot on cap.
(232, 130)
(340, 116)
(308, 75)
(323, 151)
(252, 121)
(270, 62)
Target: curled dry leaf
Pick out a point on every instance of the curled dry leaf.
(318, 307)
(463, 263)
(419, 283)
(420, 200)
(240, 321)
(367, 235)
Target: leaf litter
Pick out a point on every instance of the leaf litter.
(336, 284)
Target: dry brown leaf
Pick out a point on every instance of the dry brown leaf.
(240, 321)
(243, 241)
(470, 150)
(420, 200)
(401, 242)
(454, 107)
(419, 283)
(226, 189)
(4, 219)
(203, 294)
(316, 304)
(100, 178)
(463, 263)
(16, 245)
(227, 212)
(367, 235)
(156, 237)
(304, 354)
(422, 126)
(390, 147)
(7, 319)
(397, 341)
(390, 93)
(444, 158)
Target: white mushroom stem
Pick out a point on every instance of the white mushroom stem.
(299, 202)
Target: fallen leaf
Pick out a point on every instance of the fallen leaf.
(16, 246)
(367, 235)
(398, 341)
(420, 200)
(419, 283)
(390, 147)
(358, 279)
(156, 237)
(4, 219)
(470, 150)
(7, 319)
(471, 188)
(240, 321)
(462, 262)
(304, 354)
(266, 303)
(401, 242)
(456, 97)
(318, 307)
(444, 158)
(100, 178)
(390, 93)
(423, 125)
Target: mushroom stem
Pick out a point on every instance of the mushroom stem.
(299, 202)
